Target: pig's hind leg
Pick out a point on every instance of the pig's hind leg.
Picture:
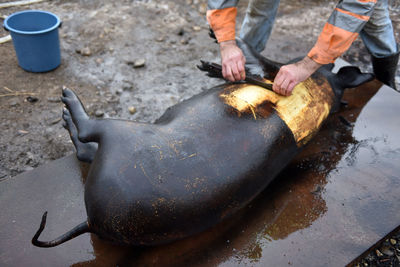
(88, 129)
(84, 151)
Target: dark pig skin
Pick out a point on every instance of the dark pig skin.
(151, 184)
(203, 160)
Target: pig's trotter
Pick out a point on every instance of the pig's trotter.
(84, 151)
(213, 70)
(81, 120)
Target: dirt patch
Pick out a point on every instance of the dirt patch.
(101, 41)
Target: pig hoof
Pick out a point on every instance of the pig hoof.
(70, 100)
(213, 70)
(68, 124)
(75, 113)
(84, 151)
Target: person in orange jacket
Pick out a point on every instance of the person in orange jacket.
(351, 18)
(255, 31)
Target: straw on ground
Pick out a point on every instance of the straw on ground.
(14, 93)
(11, 4)
(5, 39)
(20, 3)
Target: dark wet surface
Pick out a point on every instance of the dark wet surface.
(332, 202)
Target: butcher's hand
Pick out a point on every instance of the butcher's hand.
(232, 61)
(290, 75)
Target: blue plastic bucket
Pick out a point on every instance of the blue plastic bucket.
(35, 38)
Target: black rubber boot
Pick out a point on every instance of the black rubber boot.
(385, 69)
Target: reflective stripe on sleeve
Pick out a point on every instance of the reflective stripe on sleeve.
(366, 1)
(220, 4)
(347, 21)
(357, 7)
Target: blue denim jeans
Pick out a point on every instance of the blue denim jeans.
(377, 34)
(258, 22)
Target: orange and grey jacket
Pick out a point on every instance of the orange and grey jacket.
(339, 32)
(341, 29)
(221, 15)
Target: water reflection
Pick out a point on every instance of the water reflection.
(295, 200)
(292, 203)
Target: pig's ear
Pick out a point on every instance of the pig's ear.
(350, 77)
(346, 77)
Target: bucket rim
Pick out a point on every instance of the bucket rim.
(56, 25)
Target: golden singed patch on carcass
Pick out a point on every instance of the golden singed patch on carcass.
(247, 99)
(303, 111)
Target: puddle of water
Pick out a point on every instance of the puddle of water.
(332, 202)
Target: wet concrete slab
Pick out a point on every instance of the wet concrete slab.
(335, 200)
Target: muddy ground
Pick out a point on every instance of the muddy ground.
(100, 43)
